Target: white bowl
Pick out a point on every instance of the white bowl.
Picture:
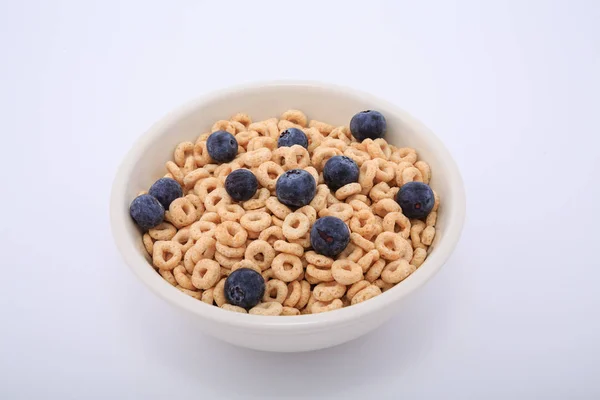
(145, 162)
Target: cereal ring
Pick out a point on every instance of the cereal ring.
(216, 198)
(417, 227)
(168, 276)
(275, 290)
(288, 248)
(203, 187)
(246, 264)
(315, 138)
(304, 296)
(175, 171)
(397, 271)
(195, 200)
(335, 143)
(208, 296)
(342, 133)
(182, 212)
(162, 231)
(258, 201)
(148, 243)
(242, 118)
(346, 272)
(431, 219)
(404, 154)
(355, 288)
(313, 172)
(375, 271)
(295, 116)
(322, 306)
(279, 210)
(358, 156)
(193, 293)
(268, 309)
(188, 166)
(286, 267)
(225, 272)
(425, 170)
(322, 127)
(267, 174)
(219, 293)
(366, 175)
(230, 212)
(166, 254)
(367, 293)
(328, 291)
(361, 242)
(428, 235)
(319, 202)
(331, 199)
(261, 253)
(352, 253)
(244, 138)
(223, 125)
(383, 191)
(182, 152)
(400, 167)
(398, 223)
(364, 223)
(322, 154)
(230, 307)
(202, 228)
(392, 246)
(283, 124)
(204, 248)
(294, 294)
(226, 262)
(342, 211)
(318, 259)
(211, 217)
(182, 277)
(411, 174)
(267, 274)
(262, 141)
(348, 190)
(184, 238)
(357, 205)
(419, 256)
(290, 311)
(385, 205)
(259, 127)
(230, 252)
(295, 225)
(225, 169)
(256, 157)
(385, 147)
(368, 259)
(310, 212)
(277, 222)
(304, 241)
(231, 233)
(436, 203)
(256, 221)
(271, 234)
(206, 274)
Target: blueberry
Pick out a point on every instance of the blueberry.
(296, 188)
(244, 287)
(368, 124)
(416, 199)
(292, 136)
(340, 171)
(166, 190)
(329, 236)
(222, 146)
(146, 211)
(241, 184)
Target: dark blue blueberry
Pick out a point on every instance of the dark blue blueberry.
(241, 184)
(296, 188)
(222, 146)
(368, 124)
(329, 236)
(292, 136)
(146, 211)
(340, 171)
(244, 288)
(416, 199)
(166, 190)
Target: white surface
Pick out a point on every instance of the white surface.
(324, 102)
(511, 88)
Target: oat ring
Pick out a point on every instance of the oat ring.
(367, 260)
(182, 278)
(267, 174)
(246, 264)
(322, 154)
(262, 141)
(397, 271)
(275, 290)
(182, 212)
(206, 274)
(295, 116)
(366, 294)
(202, 228)
(259, 201)
(404, 154)
(395, 220)
(342, 211)
(355, 288)
(230, 212)
(256, 157)
(294, 294)
(295, 226)
(289, 248)
(205, 186)
(279, 210)
(223, 125)
(386, 206)
(260, 253)
(348, 190)
(271, 234)
(255, 221)
(328, 291)
(204, 248)
(216, 198)
(322, 306)
(287, 267)
(358, 156)
(366, 176)
(392, 246)
(375, 271)
(319, 202)
(182, 152)
(166, 254)
(271, 308)
(184, 238)
(201, 155)
(231, 234)
(230, 252)
(346, 272)
(163, 231)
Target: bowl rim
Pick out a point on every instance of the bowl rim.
(346, 315)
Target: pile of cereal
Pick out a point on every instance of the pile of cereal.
(289, 216)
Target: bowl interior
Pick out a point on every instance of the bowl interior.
(146, 161)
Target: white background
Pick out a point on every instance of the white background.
(510, 87)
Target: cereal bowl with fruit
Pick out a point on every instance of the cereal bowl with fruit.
(287, 216)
